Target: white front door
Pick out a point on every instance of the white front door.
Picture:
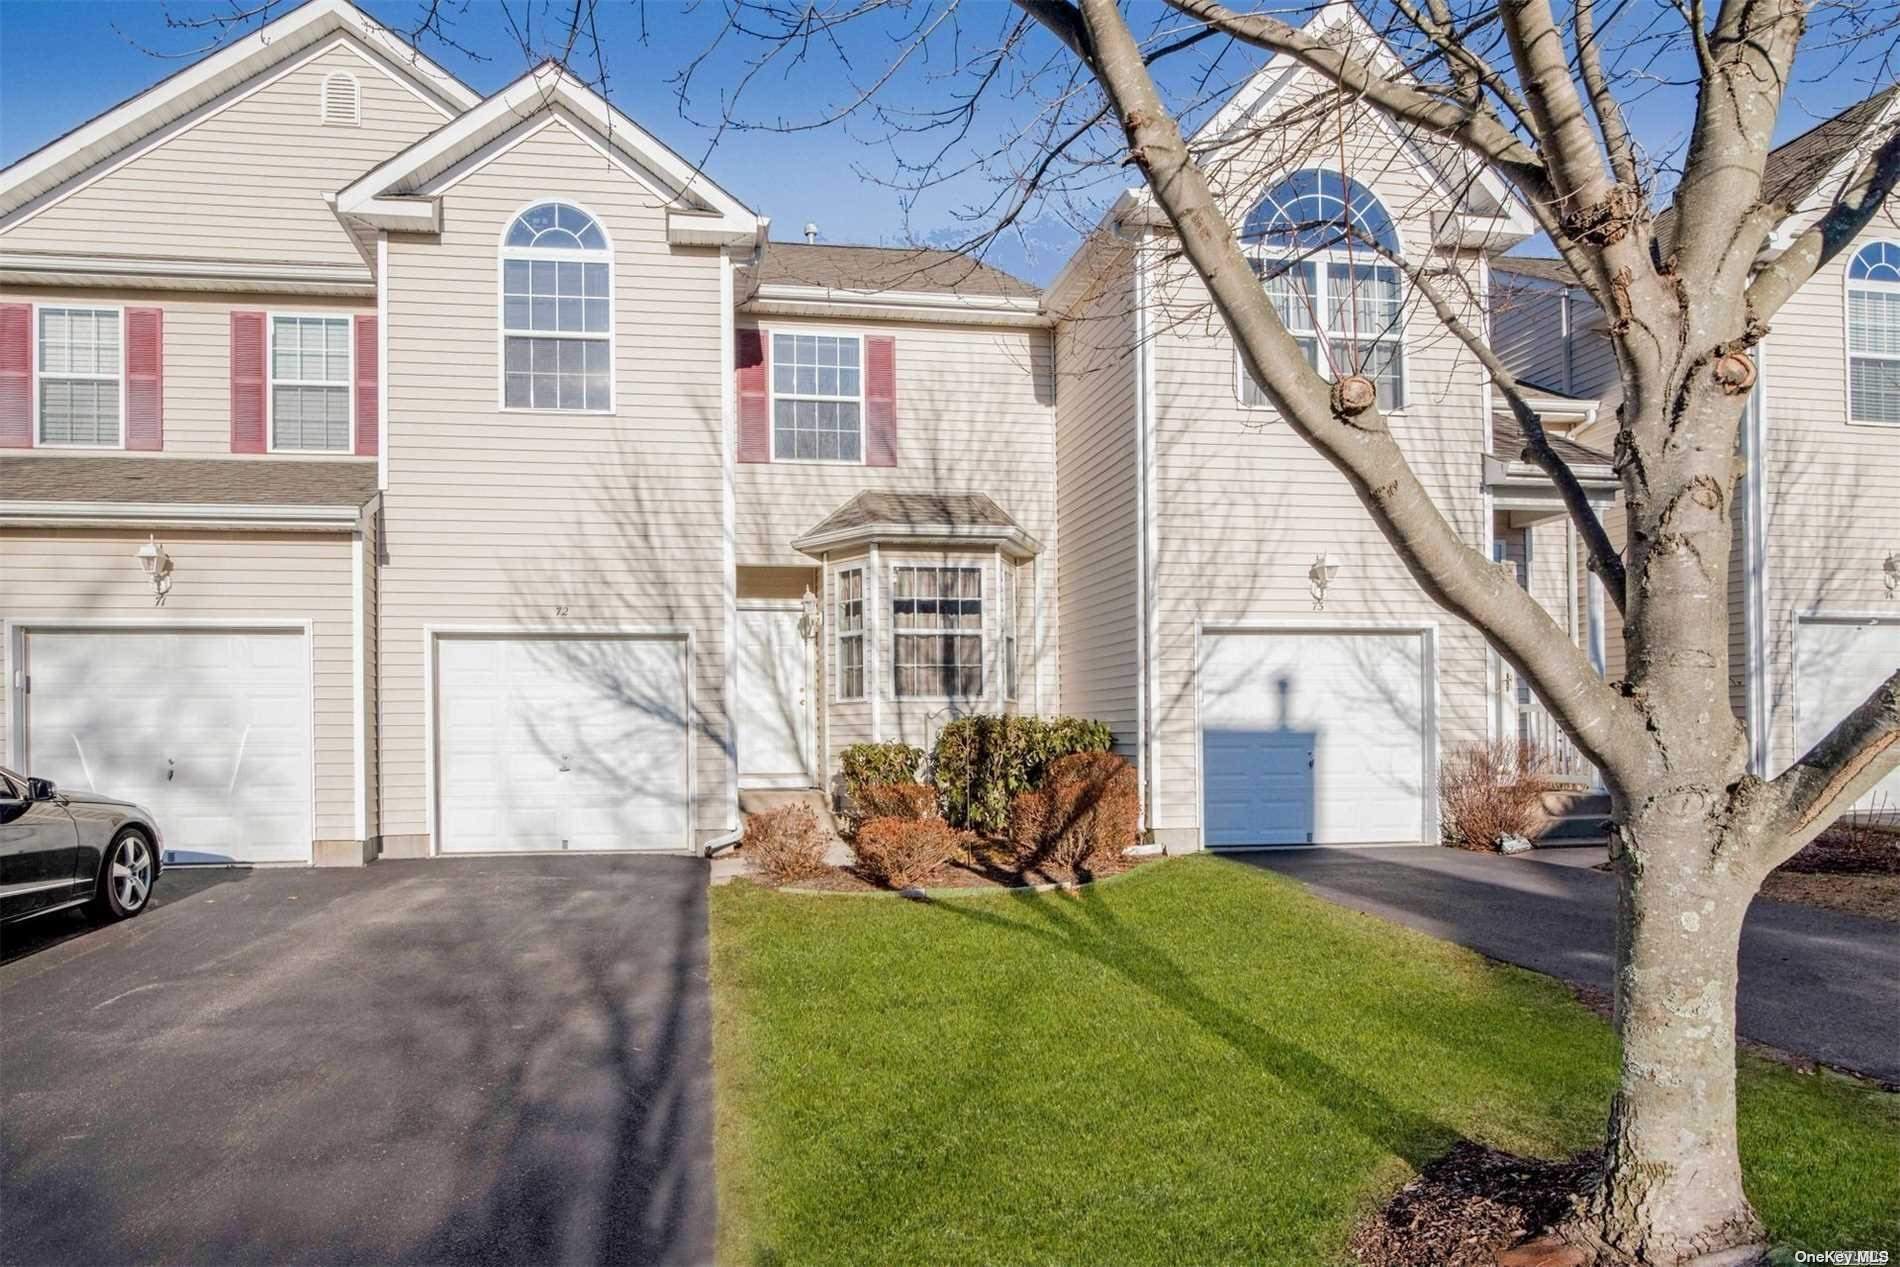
(774, 708)
(551, 743)
(208, 729)
(1314, 738)
(1838, 661)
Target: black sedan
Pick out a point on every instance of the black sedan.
(61, 849)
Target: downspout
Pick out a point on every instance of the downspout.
(728, 554)
(1144, 521)
(1755, 559)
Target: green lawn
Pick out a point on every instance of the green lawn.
(1195, 1063)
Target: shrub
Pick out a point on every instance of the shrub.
(1086, 815)
(894, 800)
(980, 763)
(902, 852)
(866, 764)
(786, 844)
(1490, 791)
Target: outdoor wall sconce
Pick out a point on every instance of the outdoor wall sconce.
(808, 614)
(1890, 573)
(1318, 577)
(157, 566)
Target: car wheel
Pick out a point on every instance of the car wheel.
(125, 882)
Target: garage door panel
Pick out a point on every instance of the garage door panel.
(1313, 738)
(1838, 662)
(550, 743)
(209, 729)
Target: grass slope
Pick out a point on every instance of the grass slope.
(1198, 1063)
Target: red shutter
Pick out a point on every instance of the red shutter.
(880, 400)
(367, 415)
(145, 378)
(16, 376)
(755, 423)
(247, 383)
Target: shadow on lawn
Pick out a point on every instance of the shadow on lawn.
(1083, 925)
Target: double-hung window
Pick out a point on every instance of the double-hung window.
(937, 632)
(850, 584)
(1873, 333)
(1315, 242)
(81, 369)
(817, 398)
(557, 312)
(310, 384)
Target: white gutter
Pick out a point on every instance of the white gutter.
(1012, 540)
(40, 514)
(953, 301)
(28, 265)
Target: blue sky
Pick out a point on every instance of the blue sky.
(63, 61)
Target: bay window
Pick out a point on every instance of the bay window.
(937, 632)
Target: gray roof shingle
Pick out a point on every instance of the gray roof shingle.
(186, 481)
(1507, 441)
(918, 510)
(880, 268)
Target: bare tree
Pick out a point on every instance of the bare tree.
(1539, 96)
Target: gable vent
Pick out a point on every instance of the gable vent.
(342, 102)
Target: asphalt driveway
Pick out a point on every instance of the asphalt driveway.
(454, 1061)
(1816, 983)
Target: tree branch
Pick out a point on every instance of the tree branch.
(1864, 194)
(1616, 136)
(1604, 725)
(1477, 130)
(1604, 560)
(1859, 752)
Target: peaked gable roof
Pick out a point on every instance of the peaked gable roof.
(403, 192)
(174, 99)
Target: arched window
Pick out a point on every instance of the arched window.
(1312, 243)
(557, 315)
(1873, 333)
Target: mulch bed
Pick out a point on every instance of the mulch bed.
(994, 870)
(1469, 1205)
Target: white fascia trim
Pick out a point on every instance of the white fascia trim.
(406, 215)
(118, 268)
(1595, 479)
(1012, 541)
(196, 514)
(1023, 305)
(542, 89)
(302, 31)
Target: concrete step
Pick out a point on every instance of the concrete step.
(1573, 829)
(1566, 802)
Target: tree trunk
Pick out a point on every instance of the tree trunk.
(1671, 1188)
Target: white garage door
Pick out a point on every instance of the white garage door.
(210, 730)
(1836, 664)
(561, 743)
(1313, 738)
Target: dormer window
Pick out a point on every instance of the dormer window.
(341, 100)
(1315, 242)
(556, 312)
(1873, 334)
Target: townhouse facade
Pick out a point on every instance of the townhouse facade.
(392, 471)
(1814, 577)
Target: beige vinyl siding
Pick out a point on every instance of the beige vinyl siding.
(1833, 516)
(1244, 505)
(974, 414)
(91, 574)
(1527, 320)
(552, 521)
(197, 357)
(246, 183)
(1096, 455)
